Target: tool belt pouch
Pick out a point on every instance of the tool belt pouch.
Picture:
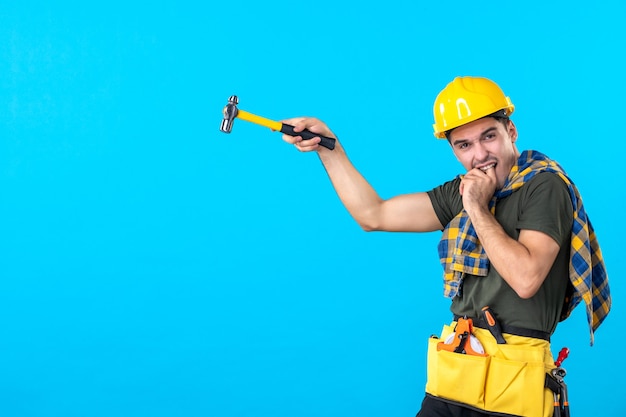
(510, 379)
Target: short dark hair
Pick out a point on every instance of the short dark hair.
(500, 116)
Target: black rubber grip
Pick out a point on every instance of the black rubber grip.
(490, 320)
(326, 142)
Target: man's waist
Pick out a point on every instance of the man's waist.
(506, 328)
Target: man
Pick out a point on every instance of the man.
(513, 225)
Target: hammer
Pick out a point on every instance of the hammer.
(231, 112)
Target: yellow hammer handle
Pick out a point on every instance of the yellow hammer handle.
(249, 117)
(285, 128)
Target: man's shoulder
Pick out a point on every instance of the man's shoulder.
(546, 180)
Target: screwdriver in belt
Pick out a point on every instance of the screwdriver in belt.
(493, 325)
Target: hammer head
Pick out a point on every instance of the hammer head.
(230, 112)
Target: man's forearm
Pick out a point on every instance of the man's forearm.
(509, 257)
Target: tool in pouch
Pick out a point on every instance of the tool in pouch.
(462, 340)
(555, 382)
(492, 324)
(463, 333)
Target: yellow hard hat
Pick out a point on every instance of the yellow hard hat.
(467, 99)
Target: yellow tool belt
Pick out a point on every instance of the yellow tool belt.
(509, 379)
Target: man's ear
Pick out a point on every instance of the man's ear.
(512, 129)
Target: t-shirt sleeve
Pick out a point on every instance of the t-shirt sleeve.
(547, 207)
(446, 200)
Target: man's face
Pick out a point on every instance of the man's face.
(486, 144)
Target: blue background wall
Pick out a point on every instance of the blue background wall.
(153, 266)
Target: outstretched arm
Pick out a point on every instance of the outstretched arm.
(404, 213)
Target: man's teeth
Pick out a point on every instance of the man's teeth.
(485, 168)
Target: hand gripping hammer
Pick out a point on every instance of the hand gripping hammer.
(231, 112)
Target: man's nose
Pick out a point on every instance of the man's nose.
(480, 152)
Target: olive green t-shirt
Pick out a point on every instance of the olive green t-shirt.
(542, 204)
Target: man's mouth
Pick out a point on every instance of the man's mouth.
(487, 167)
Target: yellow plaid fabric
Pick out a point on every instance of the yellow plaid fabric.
(461, 253)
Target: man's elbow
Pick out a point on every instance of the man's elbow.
(370, 221)
(525, 294)
(528, 286)
(368, 226)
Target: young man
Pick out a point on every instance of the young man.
(515, 239)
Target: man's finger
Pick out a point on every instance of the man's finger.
(491, 173)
